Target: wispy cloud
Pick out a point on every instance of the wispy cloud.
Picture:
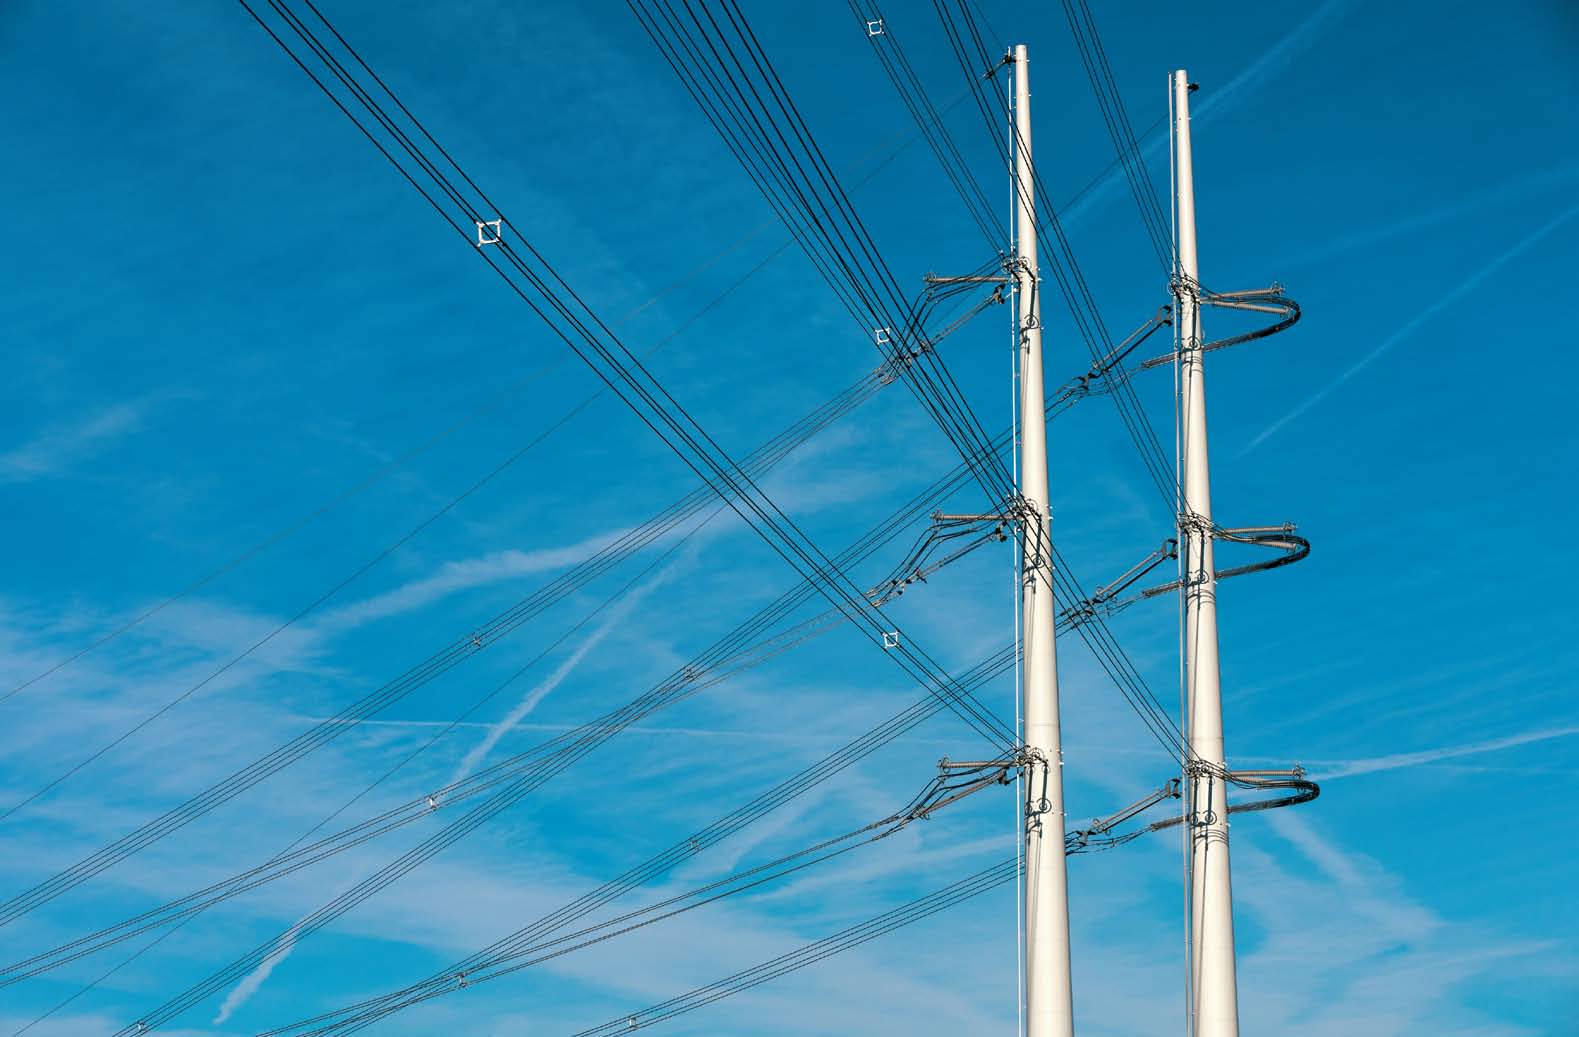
(461, 575)
(51, 452)
(255, 979)
(1348, 949)
(1420, 318)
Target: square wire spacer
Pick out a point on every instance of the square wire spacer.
(489, 232)
(890, 639)
(874, 27)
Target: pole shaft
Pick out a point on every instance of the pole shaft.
(1214, 993)
(1049, 1002)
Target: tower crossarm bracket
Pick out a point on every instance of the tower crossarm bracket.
(937, 279)
(1295, 787)
(1258, 300)
(1278, 538)
(1098, 834)
(956, 780)
(946, 540)
(1106, 599)
(1107, 372)
(904, 346)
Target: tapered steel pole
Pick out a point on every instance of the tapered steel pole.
(1049, 1003)
(1213, 988)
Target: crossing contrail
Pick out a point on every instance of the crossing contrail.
(544, 688)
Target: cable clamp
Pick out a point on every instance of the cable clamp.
(1198, 768)
(1181, 285)
(1019, 508)
(892, 368)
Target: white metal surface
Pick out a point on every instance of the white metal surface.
(1213, 988)
(1049, 1003)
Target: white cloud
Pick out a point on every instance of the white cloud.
(461, 575)
(52, 452)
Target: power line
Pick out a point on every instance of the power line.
(658, 408)
(1110, 102)
(457, 652)
(1074, 616)
(759, 122)
(929, 122)
(963, 34)
(681, 684)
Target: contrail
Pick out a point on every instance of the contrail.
(1507, 191)
(544, 688)
(249, 985)
(1396, 761)
(1414, 323)
(1220, 100)
(1275, 59)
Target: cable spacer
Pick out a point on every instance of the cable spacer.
(874, 27)
(490, 232)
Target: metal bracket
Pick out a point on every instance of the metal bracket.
(489, 232)
(935, 279)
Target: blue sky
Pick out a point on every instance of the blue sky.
(224, 310)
